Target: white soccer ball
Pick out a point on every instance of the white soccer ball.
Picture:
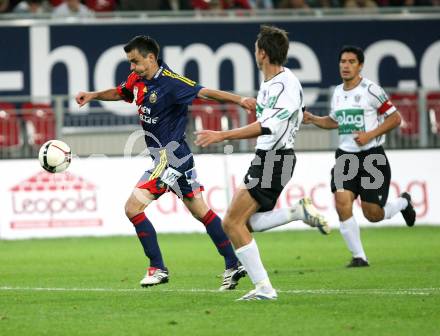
(55, 156)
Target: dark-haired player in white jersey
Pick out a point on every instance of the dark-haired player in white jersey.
(279, 115)
(361, 111)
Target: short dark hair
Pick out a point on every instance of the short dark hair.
(275, 42)
(355, 50)
(144, 44)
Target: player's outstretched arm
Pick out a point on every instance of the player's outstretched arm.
(206, 137)
(83, 98)
(247, 103)
(322, 122)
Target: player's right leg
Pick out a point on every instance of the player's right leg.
(242, 207)
(140, 198)
(349, 228)
(346, 188)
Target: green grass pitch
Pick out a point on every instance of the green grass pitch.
(89, 286)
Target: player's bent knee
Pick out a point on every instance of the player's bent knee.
(133, 208)
(229, 225)
(129, 212)
(373, 216)
(373, 213)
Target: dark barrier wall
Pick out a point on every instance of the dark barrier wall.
(61, 59)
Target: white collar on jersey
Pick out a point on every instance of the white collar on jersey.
(158, 72)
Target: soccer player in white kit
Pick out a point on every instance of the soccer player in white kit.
(279, 116)
(362, 113)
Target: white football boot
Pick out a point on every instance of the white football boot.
(154, 276)
(231, 277)
(312, 216)
(260, 293)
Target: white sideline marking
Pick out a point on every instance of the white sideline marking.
(366, 291)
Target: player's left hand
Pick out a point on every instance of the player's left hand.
(249, 103)
(362, 138)
(206, 137)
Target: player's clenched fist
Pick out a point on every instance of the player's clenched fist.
(248, 103)
(83, 98)
(308, 118)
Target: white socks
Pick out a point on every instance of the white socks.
(351, 232)
(249, 257)
(262, 221)
(393, 207)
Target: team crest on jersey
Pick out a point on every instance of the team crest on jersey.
(153, 97)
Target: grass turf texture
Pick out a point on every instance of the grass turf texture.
(89, 286)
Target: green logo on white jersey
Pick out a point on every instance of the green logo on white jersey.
(272, 101)
(259, 110)
(350, 120)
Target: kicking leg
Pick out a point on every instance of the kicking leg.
(302, 210)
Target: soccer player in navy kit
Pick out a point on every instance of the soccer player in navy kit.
(162, 97)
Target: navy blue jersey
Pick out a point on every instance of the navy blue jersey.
(162, 104)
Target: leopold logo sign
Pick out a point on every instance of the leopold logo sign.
(54, 200)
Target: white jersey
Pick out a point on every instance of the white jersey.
(279, 109)
(362, 108)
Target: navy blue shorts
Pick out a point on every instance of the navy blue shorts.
(173, 171)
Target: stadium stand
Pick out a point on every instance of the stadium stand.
(40, 123)
(433, 103)
(406, 103)
(10, 135)
(207, 114)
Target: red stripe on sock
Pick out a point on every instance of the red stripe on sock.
(208, 218)
(224, 243)
(138, 218)
(143, 234)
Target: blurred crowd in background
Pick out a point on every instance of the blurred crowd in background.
(88, 7)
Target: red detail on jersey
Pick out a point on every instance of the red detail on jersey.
(208, 218)
(131, 79)
(129, 85)
(193, 193)
(139, 218)
(155, 186)
(385, 107)
(142, 89)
